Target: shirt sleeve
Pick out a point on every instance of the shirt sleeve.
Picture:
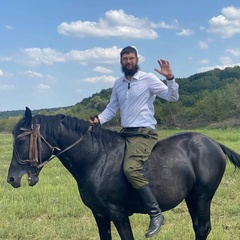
(167, 91)
(110, 111)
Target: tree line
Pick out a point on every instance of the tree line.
(206, 99)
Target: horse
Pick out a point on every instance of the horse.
(186, 166)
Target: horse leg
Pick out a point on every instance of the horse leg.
(104, 226)
(121, 222)
(123, 227)
(199, 209)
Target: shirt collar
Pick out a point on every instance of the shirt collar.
(135, 76)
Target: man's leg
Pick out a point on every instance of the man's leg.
(138, 149)
(155, 213)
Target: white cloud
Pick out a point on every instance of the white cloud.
(204, 69)
(95, 55)
(226, 60)
(102, 70)
(79, 90)
(6, 74)
(227, 24)
(164, 25)
(41, 88)
(203, 45)
(185, 32)
(48, 56)
(105, 79)
(38, 56)
(231, 12)
(234, 52)
(9, 27)
(32, 74)
(114, 24)
(6, 86)
(5, 59)
(204, 61)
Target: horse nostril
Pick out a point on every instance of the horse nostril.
(11, 179)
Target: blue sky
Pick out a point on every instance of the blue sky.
(55, 53)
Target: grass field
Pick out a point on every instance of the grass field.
(53, 209)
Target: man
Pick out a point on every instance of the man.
(134, 94)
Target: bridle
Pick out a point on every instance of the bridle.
(35, 146)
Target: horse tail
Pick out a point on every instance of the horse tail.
(232, 155)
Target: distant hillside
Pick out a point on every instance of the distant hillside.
(205, 98)
(14, 113)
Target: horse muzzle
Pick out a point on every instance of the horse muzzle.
(32, 178)
(15, 182)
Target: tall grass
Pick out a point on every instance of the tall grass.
(53, 209)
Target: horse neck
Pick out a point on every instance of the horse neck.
(95, 147)
(60, 130)
(80, 154)
(71, 135)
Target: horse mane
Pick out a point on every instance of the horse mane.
(76, 125)
(101, 134)
(50, 125)
(51, 122)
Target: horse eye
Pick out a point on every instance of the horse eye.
(20, 141)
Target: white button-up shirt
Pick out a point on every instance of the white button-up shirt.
(135, 99)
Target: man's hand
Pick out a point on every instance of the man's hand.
(165, 69)
(94, 120)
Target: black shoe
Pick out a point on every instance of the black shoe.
(151, 204)
(155, 225)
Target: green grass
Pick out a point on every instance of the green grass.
(53, 209)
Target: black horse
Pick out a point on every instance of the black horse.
(186, 166)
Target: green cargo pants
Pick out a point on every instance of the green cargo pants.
(139, 144)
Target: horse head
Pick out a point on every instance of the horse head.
(30, 151)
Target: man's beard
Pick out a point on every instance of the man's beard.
(130, 72)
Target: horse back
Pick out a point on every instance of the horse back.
(182, 164)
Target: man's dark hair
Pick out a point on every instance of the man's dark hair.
(128, 50)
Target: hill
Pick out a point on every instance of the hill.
(206, 98)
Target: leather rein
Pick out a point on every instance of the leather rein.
(35, 146)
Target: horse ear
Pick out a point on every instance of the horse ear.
(28, 116)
